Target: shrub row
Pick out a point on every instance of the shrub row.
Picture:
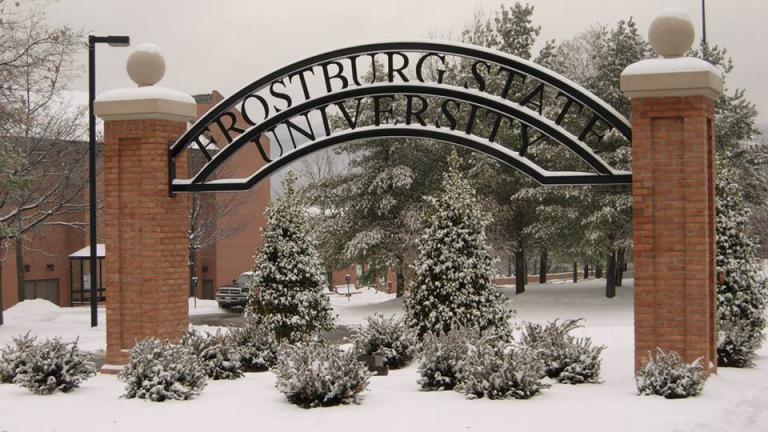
(45, 367)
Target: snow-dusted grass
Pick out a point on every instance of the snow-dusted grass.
(734, 400)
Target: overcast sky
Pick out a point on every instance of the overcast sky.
(226, 44)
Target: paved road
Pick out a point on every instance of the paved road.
(234, 318)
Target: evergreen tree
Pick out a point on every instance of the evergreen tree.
(453, 285)
(511, 30)
(372, 212)
(742, 296)
(287, 293)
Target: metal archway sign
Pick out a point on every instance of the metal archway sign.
(407, 91)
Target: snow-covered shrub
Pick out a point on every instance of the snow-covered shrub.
(453, 285)
(566, 358)
(12, 356)
(217, 353)
(386, 337)
(318, 374)
(52, 366)
(666, 374)
(742, 298)
(289, 279)
(256, 344)
(501, 372)
(441, 356)
(159, 371)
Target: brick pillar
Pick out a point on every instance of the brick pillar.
(145, 229)
(673, 196)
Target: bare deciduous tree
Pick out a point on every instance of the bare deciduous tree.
(44, 181)
(206, 212)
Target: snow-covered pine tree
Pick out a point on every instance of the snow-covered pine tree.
(742, 297)
(287, 293)
(454, 272)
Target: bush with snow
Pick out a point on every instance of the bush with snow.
(500, 371)
(52, 366)
(289, 279)
(217, 353)
(159, 371)
(566, 359)
(742, 298)
(13, 355)
(454, 281)
(256, 344)
(666, 374)
(441, 356)
(316, 374)
(389, 338)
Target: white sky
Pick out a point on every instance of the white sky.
(226, 44)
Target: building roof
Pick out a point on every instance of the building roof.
(85, 252)
(203, 98)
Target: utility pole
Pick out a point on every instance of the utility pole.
(703, 22)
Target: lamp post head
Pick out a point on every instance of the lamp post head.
(115, 41)
(118, 41)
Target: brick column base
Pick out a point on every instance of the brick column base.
(674, 227)
(145, 232)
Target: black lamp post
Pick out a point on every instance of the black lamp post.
(116, 41)
(703, 22)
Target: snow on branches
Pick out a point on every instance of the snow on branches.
(289, 280)
(453, 284)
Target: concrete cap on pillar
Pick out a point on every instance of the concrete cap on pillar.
(671, 35)
(146, 67)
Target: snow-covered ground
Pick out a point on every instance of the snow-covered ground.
(45, 319)
(734, 400)
(352, 309)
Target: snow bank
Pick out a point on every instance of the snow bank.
(27, 308)
(47, 320)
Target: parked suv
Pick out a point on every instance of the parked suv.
(235, 294)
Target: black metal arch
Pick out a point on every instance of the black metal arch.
(481, 145)
(484, 100)
(604, 174)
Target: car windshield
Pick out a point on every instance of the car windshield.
(244, 281)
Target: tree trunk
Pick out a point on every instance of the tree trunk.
(19, 267)
(1, 283)
(610, 275)
(192, 263)
(510, 265)
(400, 278)
(620, 267)
(598, 269)
(586, 271)
(543, 266)
(329, 280)
(520, 274)
(575, 272)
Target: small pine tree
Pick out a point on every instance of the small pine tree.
(454, 272)
(289, 280)
(742, 297)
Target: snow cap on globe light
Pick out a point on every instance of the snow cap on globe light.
(146, 65)
(671, 34)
